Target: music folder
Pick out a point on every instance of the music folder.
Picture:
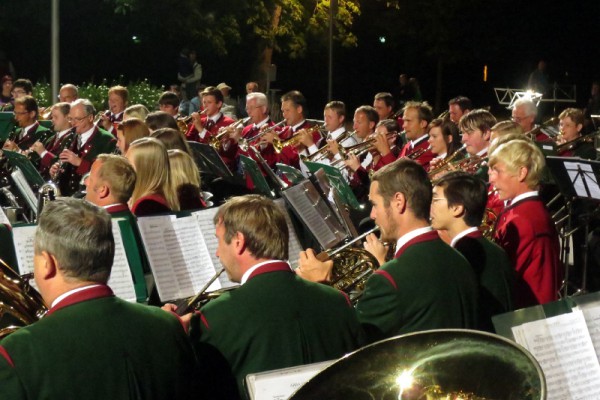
(258, 179)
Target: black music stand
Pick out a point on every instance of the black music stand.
(577, 179)
(209, 161)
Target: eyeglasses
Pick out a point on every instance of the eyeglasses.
(248, 109)
(518, 119)
(17, 91)
(71, 119)
(21, 112)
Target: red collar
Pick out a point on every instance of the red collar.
(271, 267)
(115, 208)
(84, 295)
(425, 237)
(153, 197)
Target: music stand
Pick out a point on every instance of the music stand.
(338, 182)
(209, 161)
(260, 183)
(577, 179)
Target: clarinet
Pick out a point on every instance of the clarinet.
(68, 144)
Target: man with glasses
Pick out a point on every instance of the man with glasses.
(20, 88)
(29, 129)
(524, 113)
(90, 141)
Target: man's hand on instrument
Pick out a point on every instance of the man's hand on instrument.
(311, 269)
(376, 248)
(305, 138)
(105, 122)
(68, 156)
(352, 162)
(185, 319)
(38, 147)
(197, 120)
(334, 147)
(10, 145)
(381, 144)
(268, 137)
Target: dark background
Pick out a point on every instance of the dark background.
(507, 36)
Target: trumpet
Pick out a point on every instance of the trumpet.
(246, 143)
(279, 144)
(325, 149)
(418, 153)
(215, 141)
(99, 116)
(183, 122)
(444, 165)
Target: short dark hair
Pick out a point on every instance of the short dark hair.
(29, 103)
(85, 246)
(295, 97)
(409, 178)
(477, 119)
(370, 112)
(390, 124)
(463, 189)
(337, 106)
(169, 99)
(464, 103)
(424, 110)
(24, 84)
(160, 119)
(213, 91)
(387, 98)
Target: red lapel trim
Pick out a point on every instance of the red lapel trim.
(270, 267)
(387, 275)
(203, 319)
(84, 295)
(425, 237)
(4, 354)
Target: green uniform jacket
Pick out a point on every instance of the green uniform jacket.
(93, 345)
(429, 285)
(495, 274)
(277, 320)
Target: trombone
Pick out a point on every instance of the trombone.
(325, 149)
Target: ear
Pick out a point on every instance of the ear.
(522, 174)
(487, 135)
(239, 242)
(579, 127)
(300, 110)
(49, 268)
(103, 191)
(423, 124)
(371, 126)
(398, 203)
(457, 210)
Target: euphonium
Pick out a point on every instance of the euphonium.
(20, 304)
(445, 164)
(46, 193)
(294, 140)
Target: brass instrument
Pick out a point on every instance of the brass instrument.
(469, 164)
(20, 304)
(194, 303)
(325, 149)
(488, 224)
(352, 266)
(183, 122)
(98, 117)
(215, 141)
(46, 193)
(572, 144)
(418, 153)
(444, 165)
(246, 143)
(552, 122)
(360, 148)
(279, 144)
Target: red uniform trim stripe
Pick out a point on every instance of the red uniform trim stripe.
(88, 294)
(271, 267)
(4, 354)
(387, 276)
(425, 237)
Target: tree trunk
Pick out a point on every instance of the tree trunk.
(266, 51)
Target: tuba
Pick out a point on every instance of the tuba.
(47, 192)
(20, 304)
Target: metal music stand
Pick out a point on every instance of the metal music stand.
(577, 179)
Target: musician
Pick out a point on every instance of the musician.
(136, 111)
(206, 126)
(524, 113)
(110, 184)
(571, 124)
(68, 93)
(525, 229)
(168, 102)
(91, 344)
(444, 138)
(29, 131)
(153, 192)
(416, 117)
(20, 88)
(90, 141)
(185, 180)
(251, 87)
(118, 97)
(458, 207)
(386, 139)
(384, 103)
(293, 108)
(274, 319)
(505, 128)
(427, 285)
(160, 119)
(6, 97)
(476, 129)
(365, 120)
(172, 139)
(128, 131)
(62, 138)
(229, 103)
(459, 106)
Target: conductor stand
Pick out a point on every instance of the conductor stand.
(577, 180)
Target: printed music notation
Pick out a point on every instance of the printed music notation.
(563, 347)
(178, 255)
(121, 280)
(23, 237)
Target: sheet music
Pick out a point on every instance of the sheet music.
(591, 313)
(281, 384)
(3, 218)
(294, 246)
(121, 280)
(564, 349)
(577, 179)
(23, 186)
(23, 238)
(177, 254)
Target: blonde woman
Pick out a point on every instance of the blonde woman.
(130, 130)
(185, 180)
(153, 190)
